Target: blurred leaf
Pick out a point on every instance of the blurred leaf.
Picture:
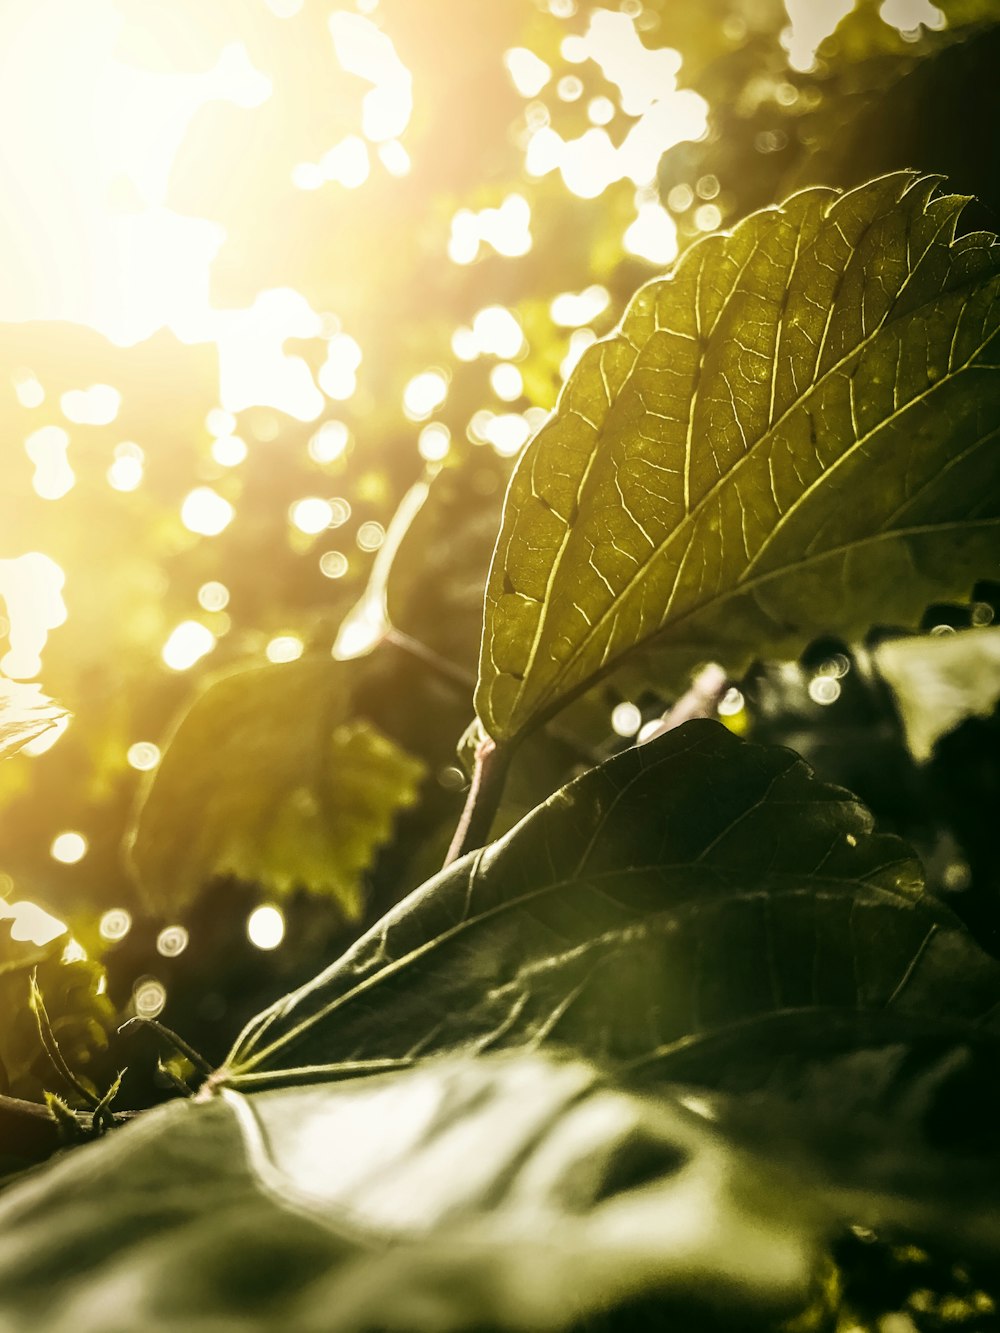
(25, 714)
(853, 114)
(708, 33)
(919, 120)
(80, 1017)
(692, 483)
(268, 777)
(368, 622)
(694, 906)
(326, 1208)
(524, 1192)
(940, 680)
(435, 587)
(864, 31)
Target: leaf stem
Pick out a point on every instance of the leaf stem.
(449, 671)
(50, 1045)
(173, 1039)
(481, 803)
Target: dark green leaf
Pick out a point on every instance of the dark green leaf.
(696, 904)
(268, 778)
(852, 115)
(80, 1019)
(435, 589)
(793, 432)
(918, 120)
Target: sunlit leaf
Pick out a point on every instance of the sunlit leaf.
(940, 680)
(269, 778)
(25, 715)
(695, 905)
(693, 484)
(368, 621)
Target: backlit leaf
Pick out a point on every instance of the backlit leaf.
(940, 680)
(25, 714)
(81, 1014)
(268, 778)
(793, 432)
(697, 906)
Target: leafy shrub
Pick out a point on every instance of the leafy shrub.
(684, 1029)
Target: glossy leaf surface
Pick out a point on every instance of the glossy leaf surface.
(793, 432)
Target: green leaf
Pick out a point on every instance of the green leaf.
(327, 1208)
(940, 680)
(520, 1192)
(435, 588)
(80, 1019)
(696, 906)
(104, 1116)
(918, 120)
(25, 714)
(267, 778)
(793, 432)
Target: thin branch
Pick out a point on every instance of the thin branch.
(701, 700)
(174, 1040)
(455, 675)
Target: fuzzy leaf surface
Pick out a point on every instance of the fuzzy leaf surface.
(793, 432)
(697, 907)
(268, 778)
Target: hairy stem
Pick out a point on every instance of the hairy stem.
(50, 1045)
(481, 803)
(172, 1039)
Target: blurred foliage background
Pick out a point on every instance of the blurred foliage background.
(289, 285)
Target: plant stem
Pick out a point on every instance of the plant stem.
(50, 1045)
(30, 1131)
(172, 1039)
(488, 778)
(455, 675)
